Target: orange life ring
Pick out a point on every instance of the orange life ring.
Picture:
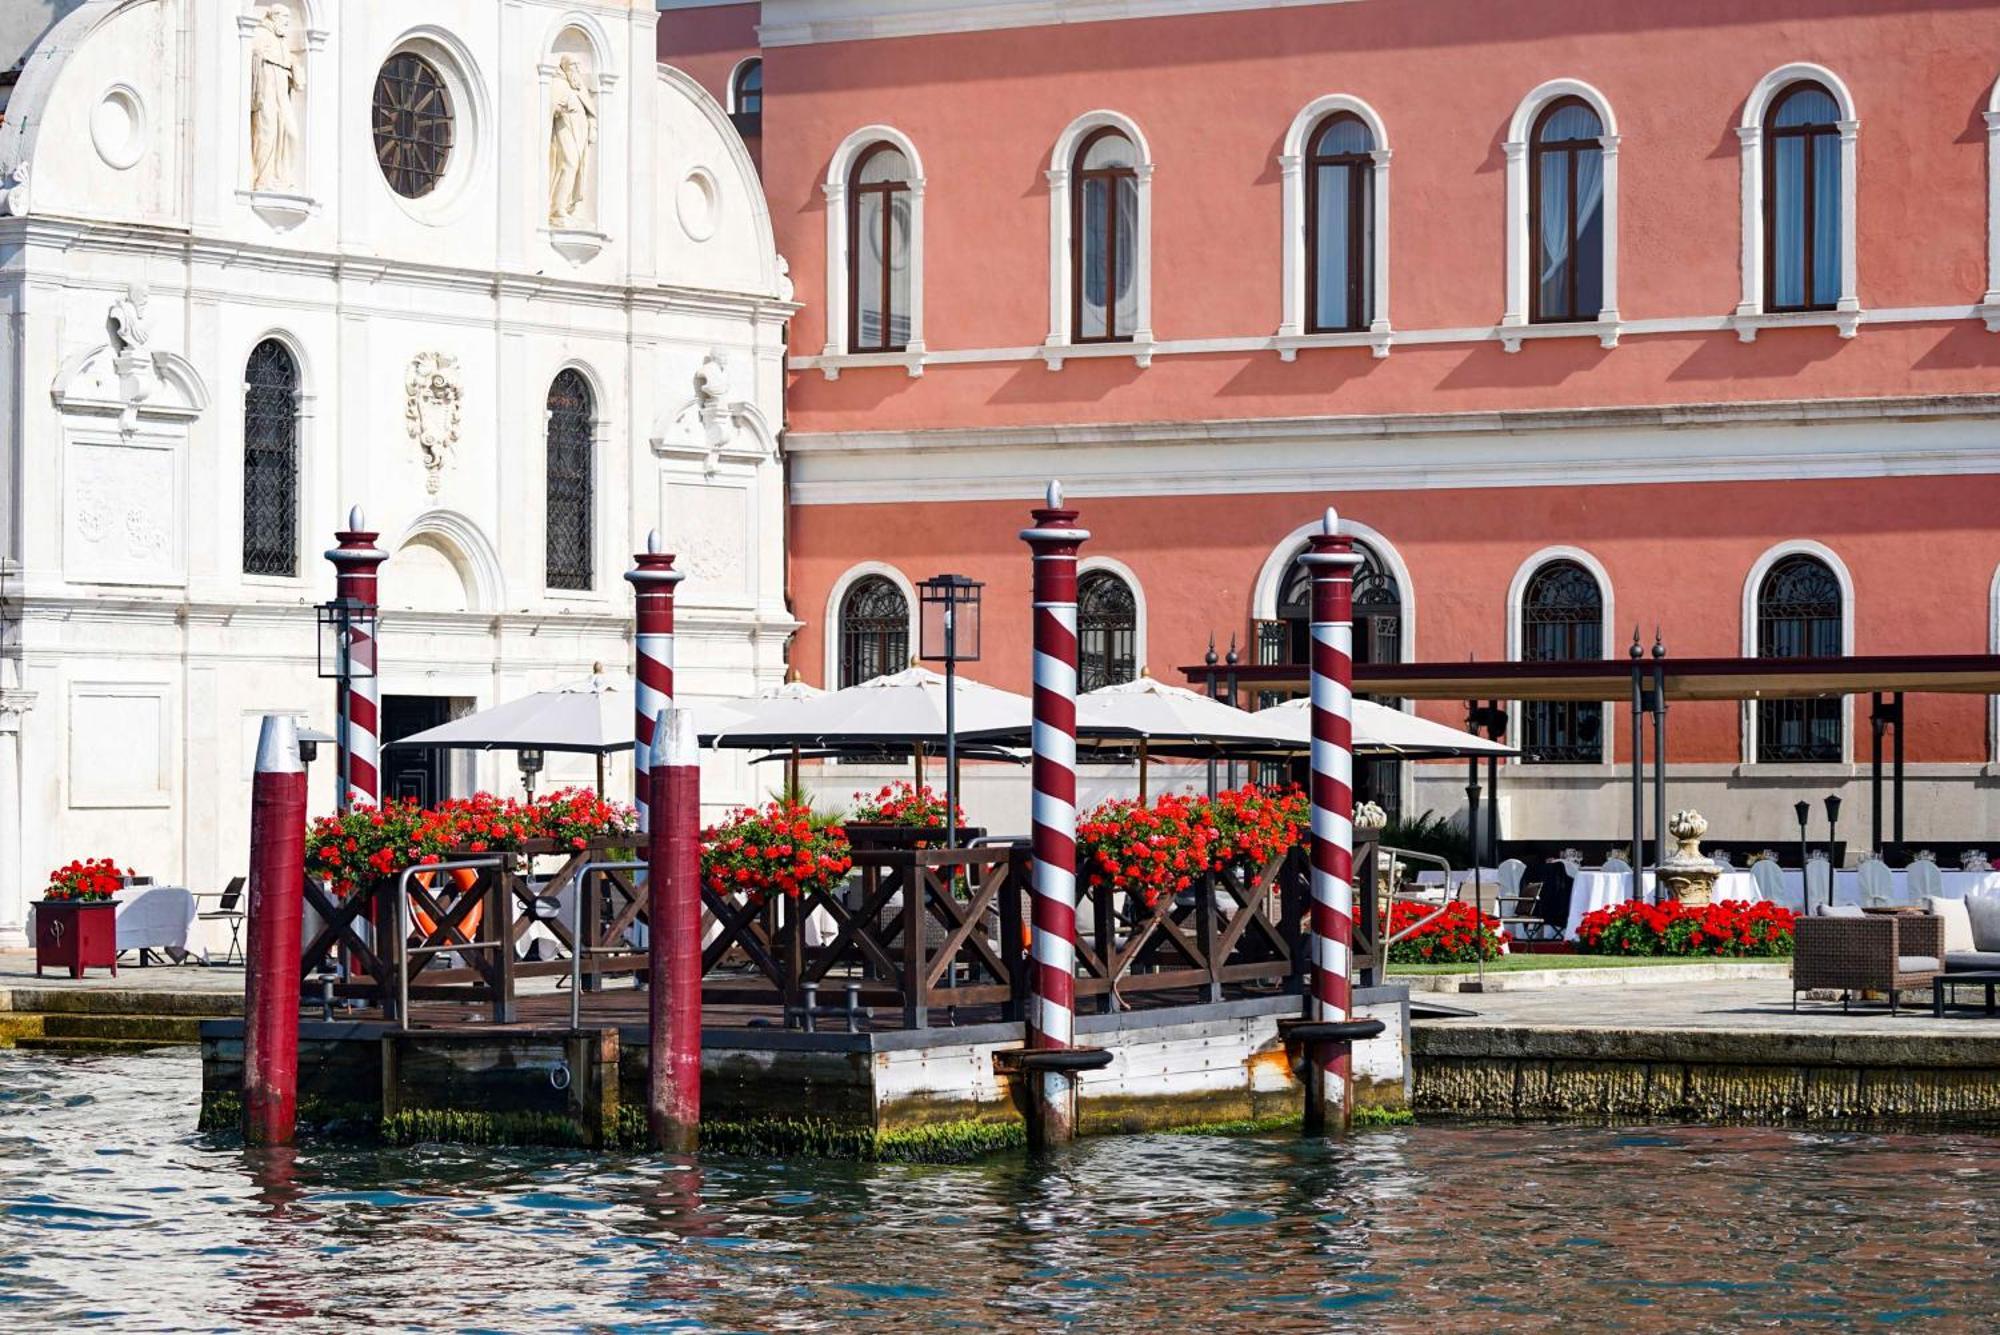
(462, 881)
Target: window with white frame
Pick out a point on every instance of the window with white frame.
(1100, 237)
(1562, 215)
(1797, 141)
(875, 251)
(1335, 169)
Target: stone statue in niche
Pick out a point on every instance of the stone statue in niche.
(133, 364)
(276, 79)
(572, 141)
(434, 394)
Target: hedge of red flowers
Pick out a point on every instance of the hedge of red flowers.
(1729, 929)
(85, 881)
(902, 803)
(1459, 935)
(368, 843)
(1256, 824)
(783, 848)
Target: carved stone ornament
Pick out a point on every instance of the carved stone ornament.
(435, 391)
(14, 190)
(1686, 872)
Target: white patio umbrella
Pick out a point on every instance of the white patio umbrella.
(1154, 715)
(901, 709)
(1381, 730)
(593, 717)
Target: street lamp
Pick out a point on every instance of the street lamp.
(343, 623)
(948, 633)
(1803, 810)
(1832, 839)
(530, 760)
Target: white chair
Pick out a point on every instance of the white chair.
(1875, 883)
(1819, 881)
(1769, 878)
(1924, 880)
(1720, 857)
(1509, 874)
(1616, 867)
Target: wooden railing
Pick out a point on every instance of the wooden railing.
(910, 933)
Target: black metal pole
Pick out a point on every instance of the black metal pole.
(1213, 688)
(1659, 752)
(1899, 767)
(1492, 794)
(1875, 725)
(1638, 766)
(950, 724)
(1233, 659)
(1804, 812)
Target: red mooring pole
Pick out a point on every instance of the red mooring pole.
(358, 700)
(277, 904)
(653, 579)
(673, 878)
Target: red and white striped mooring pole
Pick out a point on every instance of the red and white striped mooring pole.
(1053, 1060)
(673, 878)
(1330, 1029)
(358, 701)
(277, 905)
(653, 579)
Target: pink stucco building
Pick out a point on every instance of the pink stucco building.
(1585, 315)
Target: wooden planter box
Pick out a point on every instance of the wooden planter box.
(76, 936)
(906, 836)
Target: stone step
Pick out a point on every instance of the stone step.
(119, 1000)
(150, 1028)
(14, 1028)
(90, 1044)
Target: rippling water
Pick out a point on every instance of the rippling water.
(113, 1211)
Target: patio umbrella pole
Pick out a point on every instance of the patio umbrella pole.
(1142, 771)
(917, 751)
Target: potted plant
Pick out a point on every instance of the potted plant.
(902, 815)
(782, 849)
(76, 920)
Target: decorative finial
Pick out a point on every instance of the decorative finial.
(1635, 650)
(1330, 525)
(1055, 495)
(1659, 645)
(652, 542)
(1234, 658)
(356, 521)
(1210, 658)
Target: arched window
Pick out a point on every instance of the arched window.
(1799, 615)
(1104, 238)
(1378, 616)
(874, 631)
(271, 461)
(571, 438)
(1562, 618)
(746, 98)
(1566, 213)
(879, 228)
(1340, 225)
(1107, 631)
(1802, 200)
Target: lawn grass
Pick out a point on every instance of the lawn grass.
(1517, 963)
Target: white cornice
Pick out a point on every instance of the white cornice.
(803, 22)
(1692, 443)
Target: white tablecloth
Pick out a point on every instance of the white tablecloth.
(150, 917)
(1598, 890)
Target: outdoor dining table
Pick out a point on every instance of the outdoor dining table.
(1599, 889)
(150, 917)
(1593, 890)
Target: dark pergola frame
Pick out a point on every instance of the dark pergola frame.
(1652, 682)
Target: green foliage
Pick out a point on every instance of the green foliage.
(814, 1138)
(1430, 833)
(480, 1128)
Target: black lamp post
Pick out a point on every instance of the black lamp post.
(1803, 810)
(342, 623)
(530, 760)
(948, 633)
(1832, 841)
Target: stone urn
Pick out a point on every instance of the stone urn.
(1686, 873)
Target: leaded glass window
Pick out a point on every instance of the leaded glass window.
(1107, 631)
(1799, 615)
(874, 631)
(1378, 616)
(571, 443)
(271, 461)
(413, 125)
(1562, 619)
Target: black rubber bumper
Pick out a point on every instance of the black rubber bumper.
(1331, 1031)
(1065, 1059)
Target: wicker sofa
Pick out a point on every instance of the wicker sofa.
(1844, 950)
(1971, 931)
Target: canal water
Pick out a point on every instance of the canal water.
(113, 1212)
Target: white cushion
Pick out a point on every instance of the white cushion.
(1957, 924)
(1983, 907)
(1838, 911)
(1916, 964)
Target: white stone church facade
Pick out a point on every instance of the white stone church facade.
(484, 269)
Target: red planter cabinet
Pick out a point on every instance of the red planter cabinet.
(74, 936)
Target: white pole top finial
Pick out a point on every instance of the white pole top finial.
(356, 521)
(652, 542)
(1331, 524)
(1055, 494)
(278, 746)
(674, 739)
